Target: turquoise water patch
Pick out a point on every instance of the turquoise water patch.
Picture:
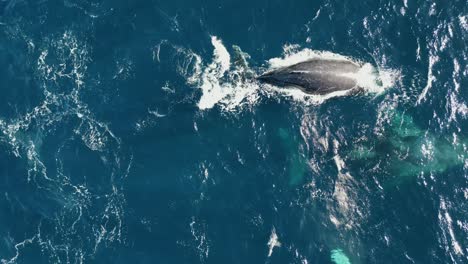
(297, 163)
(339, 257)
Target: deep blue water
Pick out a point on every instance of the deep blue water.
(123, 140)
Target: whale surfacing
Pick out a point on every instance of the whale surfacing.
(315, 76)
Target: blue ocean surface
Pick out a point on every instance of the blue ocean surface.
(136, 132)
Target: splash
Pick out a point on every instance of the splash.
(228, 89)
(273, 242)
(292, 55)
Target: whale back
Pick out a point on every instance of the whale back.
(315, 76)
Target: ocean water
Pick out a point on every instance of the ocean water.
(134, 132)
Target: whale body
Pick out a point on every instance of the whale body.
(315, 76)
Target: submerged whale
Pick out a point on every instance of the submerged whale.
(315, 76)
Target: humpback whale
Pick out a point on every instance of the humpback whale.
(315, 76)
